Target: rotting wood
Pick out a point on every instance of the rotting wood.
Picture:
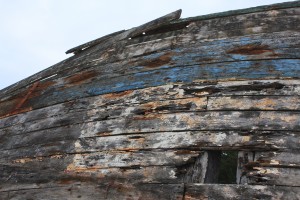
(274, 176)
(131, 174)
(121, 35)
(236, 70)
(115, 112)
(71, 62)
(110, 159)
(112, 190)
(254, 103)
(274, 159)
(247, 121)
(191, 140)
(153, 108)
(266, 89)
(179, 55)
(240, 192)
(79, 48)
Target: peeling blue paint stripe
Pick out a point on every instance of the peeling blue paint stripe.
(245, 69)
(183, 74)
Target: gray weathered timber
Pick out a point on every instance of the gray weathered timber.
(196, 140)
(274, 159)
(206, 29)
(121, 35)
(240, 192)
(153, 111)
(151, 99)
(112, 190)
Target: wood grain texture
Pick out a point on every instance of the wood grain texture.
(266, 27)
(235, 192)
(139, 116)
(113, 191)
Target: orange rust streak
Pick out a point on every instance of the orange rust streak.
(162, 60)
(44, 85)
(19, 105)
(251, 49)
(17, 112)
(119, 94)
(80, 77)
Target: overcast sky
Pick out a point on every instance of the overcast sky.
(35, 33)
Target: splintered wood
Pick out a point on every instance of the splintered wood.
(150, 117)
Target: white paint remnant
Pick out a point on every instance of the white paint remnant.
(78, 145)
(220, 137)
(274, 162)
(172, 174)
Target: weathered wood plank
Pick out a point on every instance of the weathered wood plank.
(190, 140)
(248, 121)
(218, 120)
(234, 70)
(81, 47)
(136, 174)
(264, 8)
(88, 191)
(144, 96)
(70, 63)
(254, 103)
(155, 110)
(278, 159)
(197, 139)
(104, 45)
(254, 47)
(242, 88)
(108, 159)
(225, 50)
(131, 32)
(235, 26)
(274, 176)
(127, 166)
(240, 192)
(68, 115)
(253, 168)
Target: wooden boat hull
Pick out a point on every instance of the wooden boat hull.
(142, 116)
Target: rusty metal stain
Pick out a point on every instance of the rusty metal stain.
(19, 105)
(160, 61)
(80, 77)
(16, 112)
(44, 85)
(23, 98)
(118, 94)
(252, 49)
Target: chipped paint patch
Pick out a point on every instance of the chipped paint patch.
(23, 160)
(246, 138)
(274, 162)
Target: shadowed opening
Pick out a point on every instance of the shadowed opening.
(221, 167)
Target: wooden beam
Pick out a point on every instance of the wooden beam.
(217, 191)
(121, 35)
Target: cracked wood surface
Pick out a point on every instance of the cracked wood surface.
(132, 119)
(239, 192)
(202, 30)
